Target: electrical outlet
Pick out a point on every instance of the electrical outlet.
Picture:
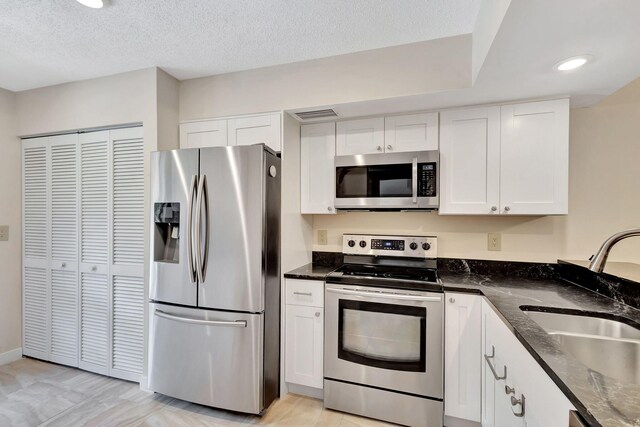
(4, 233)
(494, 242)
(322, 237)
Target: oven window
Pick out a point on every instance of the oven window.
(387, 336)
(374, 181)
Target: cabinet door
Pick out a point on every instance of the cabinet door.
(94, 251)
(462, 371)
(251, 130)
(127, 253)
(488, 380)
(365, 136)
(535, 158)
(35, 248)
(63, 211)
(416, 132)
(317, 171)
(304, 345)
(470, 161)
(211, 133)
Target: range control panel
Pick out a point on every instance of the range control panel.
(401, 246)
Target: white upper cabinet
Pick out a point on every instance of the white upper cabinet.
(364, 136)
(415, 132)
(470, 161)
(535, 158)
(210, 133)
(508, 160)
(317, 173)
(264, 129)
(248, 130)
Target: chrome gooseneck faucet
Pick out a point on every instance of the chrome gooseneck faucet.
(600, 258)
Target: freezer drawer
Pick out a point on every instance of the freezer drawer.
(209, 357)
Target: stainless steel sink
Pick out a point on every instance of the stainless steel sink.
(607, 346)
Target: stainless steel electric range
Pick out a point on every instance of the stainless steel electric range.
(384, 331)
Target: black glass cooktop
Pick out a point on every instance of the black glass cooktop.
(386, 276)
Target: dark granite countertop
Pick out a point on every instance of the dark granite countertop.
(311, 271)
(601, 400)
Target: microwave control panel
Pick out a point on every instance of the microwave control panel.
(427, 179)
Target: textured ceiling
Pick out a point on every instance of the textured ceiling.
(46, 42)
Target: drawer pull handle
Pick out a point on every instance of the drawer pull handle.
(317, 314)
(509, 390)
(516, 402)
(493, 370)
(306, 294)
(233, 323)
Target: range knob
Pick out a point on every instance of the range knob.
(363, 244)
(413, 246)
(426, 246)
(351, 243)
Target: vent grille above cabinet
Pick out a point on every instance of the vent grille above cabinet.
(316, 114)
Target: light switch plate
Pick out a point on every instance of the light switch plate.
(4, 233)
(322, 237)
(494, 242)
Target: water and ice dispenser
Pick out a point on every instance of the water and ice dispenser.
(167, 232)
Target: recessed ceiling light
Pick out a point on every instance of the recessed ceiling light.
(572, 63)
(94, 4)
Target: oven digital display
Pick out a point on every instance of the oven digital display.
(388, 245)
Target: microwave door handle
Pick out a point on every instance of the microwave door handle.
(399, 297)
(190, 241)
(414, 179)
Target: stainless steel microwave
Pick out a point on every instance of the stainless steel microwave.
(391, 181)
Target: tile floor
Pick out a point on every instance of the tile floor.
(34, 393)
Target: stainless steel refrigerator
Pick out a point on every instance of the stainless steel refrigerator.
(214, 335)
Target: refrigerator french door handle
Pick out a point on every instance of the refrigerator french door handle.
(190, 202)
(201, 258)
(232, 323)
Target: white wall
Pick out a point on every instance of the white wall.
(167, 95)
(10, 214)
(409, 69)
(604, 197)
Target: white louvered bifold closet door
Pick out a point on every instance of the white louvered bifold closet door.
(94, 252)
(127, 268)
(35, 274)
(63, 212)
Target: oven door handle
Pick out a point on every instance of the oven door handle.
(399, 297)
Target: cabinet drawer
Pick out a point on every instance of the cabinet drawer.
(305, 292)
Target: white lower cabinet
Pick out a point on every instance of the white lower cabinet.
(462, 364)
(515, 389)
(304, 331)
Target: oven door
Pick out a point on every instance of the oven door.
(387, 181)
(386, 338)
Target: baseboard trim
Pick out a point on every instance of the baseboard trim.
(11, 356)
(316, 393)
